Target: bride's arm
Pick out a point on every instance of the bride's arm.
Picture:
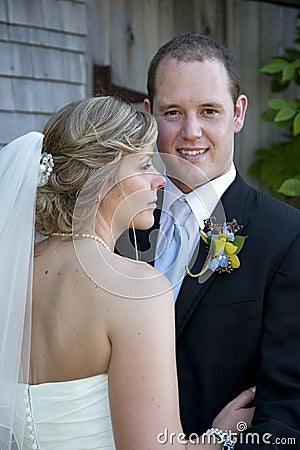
(143, 380)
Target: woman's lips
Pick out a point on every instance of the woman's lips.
(152, 204)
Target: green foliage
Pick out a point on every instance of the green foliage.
(290, 187)
(279, 166)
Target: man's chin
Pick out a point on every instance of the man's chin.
(188, 183)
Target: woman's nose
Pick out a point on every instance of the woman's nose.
(158, 181)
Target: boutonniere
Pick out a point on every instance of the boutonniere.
(224, 245)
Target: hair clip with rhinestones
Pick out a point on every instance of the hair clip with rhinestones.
(46, 168)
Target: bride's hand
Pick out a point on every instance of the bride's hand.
(235, 412)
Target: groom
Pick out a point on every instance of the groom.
(241, 326)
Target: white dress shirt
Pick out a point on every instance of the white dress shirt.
(202, 202)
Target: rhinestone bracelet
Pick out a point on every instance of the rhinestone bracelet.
(223, 436)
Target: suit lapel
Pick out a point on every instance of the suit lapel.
(192, 292)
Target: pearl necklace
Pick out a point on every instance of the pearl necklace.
(84, 235)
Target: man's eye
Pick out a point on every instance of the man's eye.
(172, 113)
(210, 112)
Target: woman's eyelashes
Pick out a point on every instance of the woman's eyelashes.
(147, 165)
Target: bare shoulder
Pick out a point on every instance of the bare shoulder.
(100, 273)
(123, 277)
(144, 281)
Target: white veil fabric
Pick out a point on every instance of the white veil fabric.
(19, 177)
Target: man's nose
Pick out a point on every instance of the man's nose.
(192, 128)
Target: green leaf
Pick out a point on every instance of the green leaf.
(284, 114)
(279, 60)
(290, 187)
(239, 242)
(284, 124)
(270, 69)
(268, 115)
(277, 103)
(296, 64)
(278, 86)
(278, 163)
(293, 52)
(262, 155)
(296, 125)
(288, 73)
(294, 104)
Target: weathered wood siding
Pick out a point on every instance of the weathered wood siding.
(42, 48)
(48, 49)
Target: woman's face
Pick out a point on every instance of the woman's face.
(132, 199)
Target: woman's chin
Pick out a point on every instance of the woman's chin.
(144, 220)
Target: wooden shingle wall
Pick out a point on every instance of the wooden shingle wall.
(127, 33)
(42, 48)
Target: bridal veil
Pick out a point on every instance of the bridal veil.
(19, 178)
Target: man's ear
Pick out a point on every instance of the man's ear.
(147, 105)
(240, 112)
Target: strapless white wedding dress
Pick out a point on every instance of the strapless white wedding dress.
(69, 415)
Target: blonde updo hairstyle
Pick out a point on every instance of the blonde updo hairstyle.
(87, 140)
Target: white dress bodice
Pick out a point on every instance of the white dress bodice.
(69, 415)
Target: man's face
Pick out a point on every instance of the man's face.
(196, 120)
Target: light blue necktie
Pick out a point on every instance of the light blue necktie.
(173, 248)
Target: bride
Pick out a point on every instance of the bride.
(87, 336)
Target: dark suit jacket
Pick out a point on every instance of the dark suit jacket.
(242, 329)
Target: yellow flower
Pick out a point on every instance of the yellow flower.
(234, 261)
(229, 248)
(224, 247)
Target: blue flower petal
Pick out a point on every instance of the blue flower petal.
(230, 236)
(214, 264)
(224, 261)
